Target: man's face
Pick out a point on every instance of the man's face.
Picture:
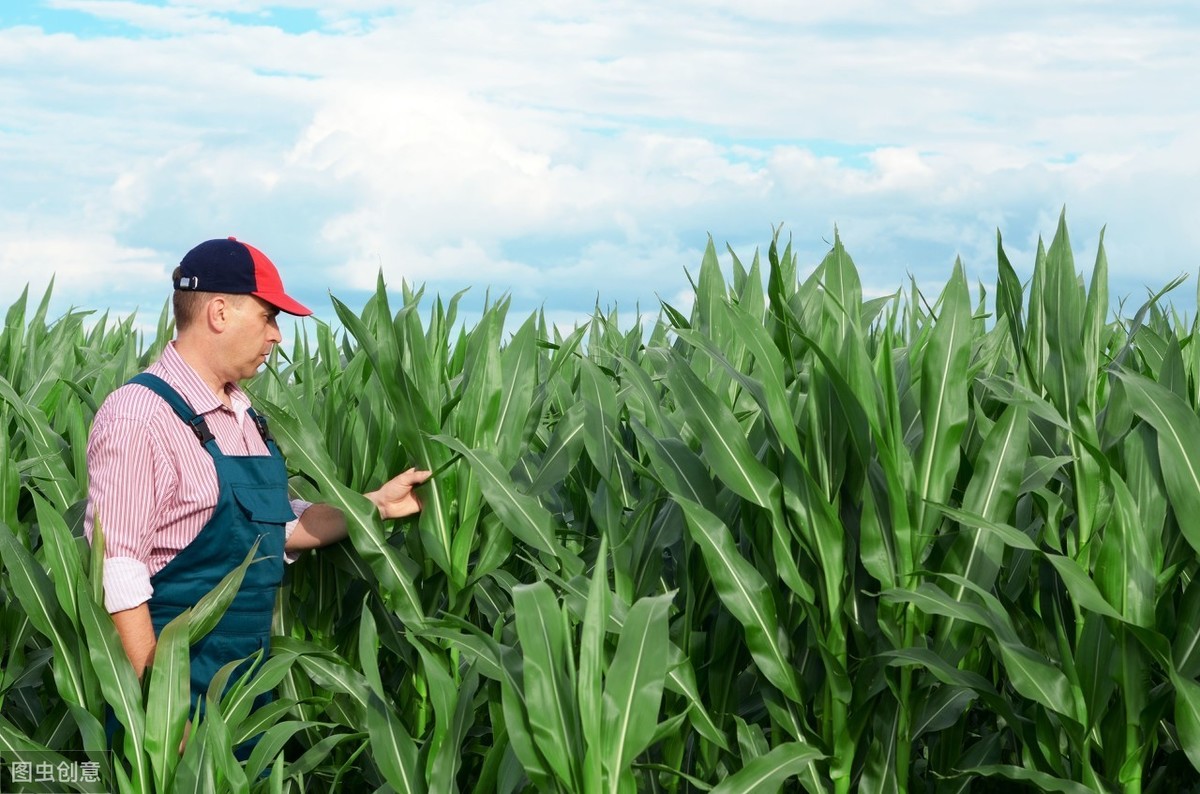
(252, 333)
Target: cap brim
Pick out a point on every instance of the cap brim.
(284, 303)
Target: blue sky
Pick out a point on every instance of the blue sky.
(569, 153)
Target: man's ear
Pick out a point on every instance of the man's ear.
(217, 311)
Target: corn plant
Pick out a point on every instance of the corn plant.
(791, 539)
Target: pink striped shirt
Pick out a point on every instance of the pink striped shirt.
(149, 479)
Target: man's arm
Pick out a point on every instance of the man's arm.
(137, 636)
(322, 524)
(319, 525)
(127, 481)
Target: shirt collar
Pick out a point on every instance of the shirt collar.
(192, 387)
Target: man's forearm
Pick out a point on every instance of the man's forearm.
(137, 636)
(319, 525)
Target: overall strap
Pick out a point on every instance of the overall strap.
(179, 405)
(260, 422)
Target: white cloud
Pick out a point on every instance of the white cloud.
(463, 263)
(148, 17)
(89, 268)
(560, 151)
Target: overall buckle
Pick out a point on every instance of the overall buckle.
(200, 428)
(263, 430)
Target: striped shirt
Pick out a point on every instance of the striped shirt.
(150, 481)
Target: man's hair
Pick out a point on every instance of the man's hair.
(187, 304)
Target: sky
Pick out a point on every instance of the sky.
(575, 154)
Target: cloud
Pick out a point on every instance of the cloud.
(163, 19)
(565, 153)
(88, 267)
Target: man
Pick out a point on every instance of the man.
(185, 477)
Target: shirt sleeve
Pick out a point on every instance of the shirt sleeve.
(298, 508)
(127, 483)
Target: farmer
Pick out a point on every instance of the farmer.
(185, 477)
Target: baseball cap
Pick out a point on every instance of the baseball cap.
(228, 265)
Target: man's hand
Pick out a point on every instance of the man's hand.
(322, 524)
(397, 498)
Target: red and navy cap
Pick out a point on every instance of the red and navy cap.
(235, 268)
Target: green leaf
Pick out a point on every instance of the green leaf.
(1186, 645)
(599, 399)
(1178, 430)
(751, 741)
(118, 682)
(562, 451)
(272, 743)
(262, 719)
(450, 756)
(681, 676)
(368, 650)
(1065, 340)
(932, 600)
(96, 563)
(1124, 567)
(1187, 716)
(592, 663)
(1039, 680)
(208, 611)
(746, 595)
(766, 384)
(517, 721)
(940, 708)
(45, 448)
(841, 282)
(393, 749)
(168, 699)
(768, 773)
(1010, 299)
(633, 687)
(63, 556)
(335, 675)
(725, 445)
(1082, 588)
(522, 514)
(944, 403)
(992, 494)
(265, 677)
(552, 710)
(220, 744)
(442, 692)
(480, 648)
(36, 594)
(1095, 313)
(678, 468)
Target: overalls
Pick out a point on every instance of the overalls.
(252, 505)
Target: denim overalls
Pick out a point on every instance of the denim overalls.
(252, 505)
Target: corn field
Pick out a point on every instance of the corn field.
(787, 540)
